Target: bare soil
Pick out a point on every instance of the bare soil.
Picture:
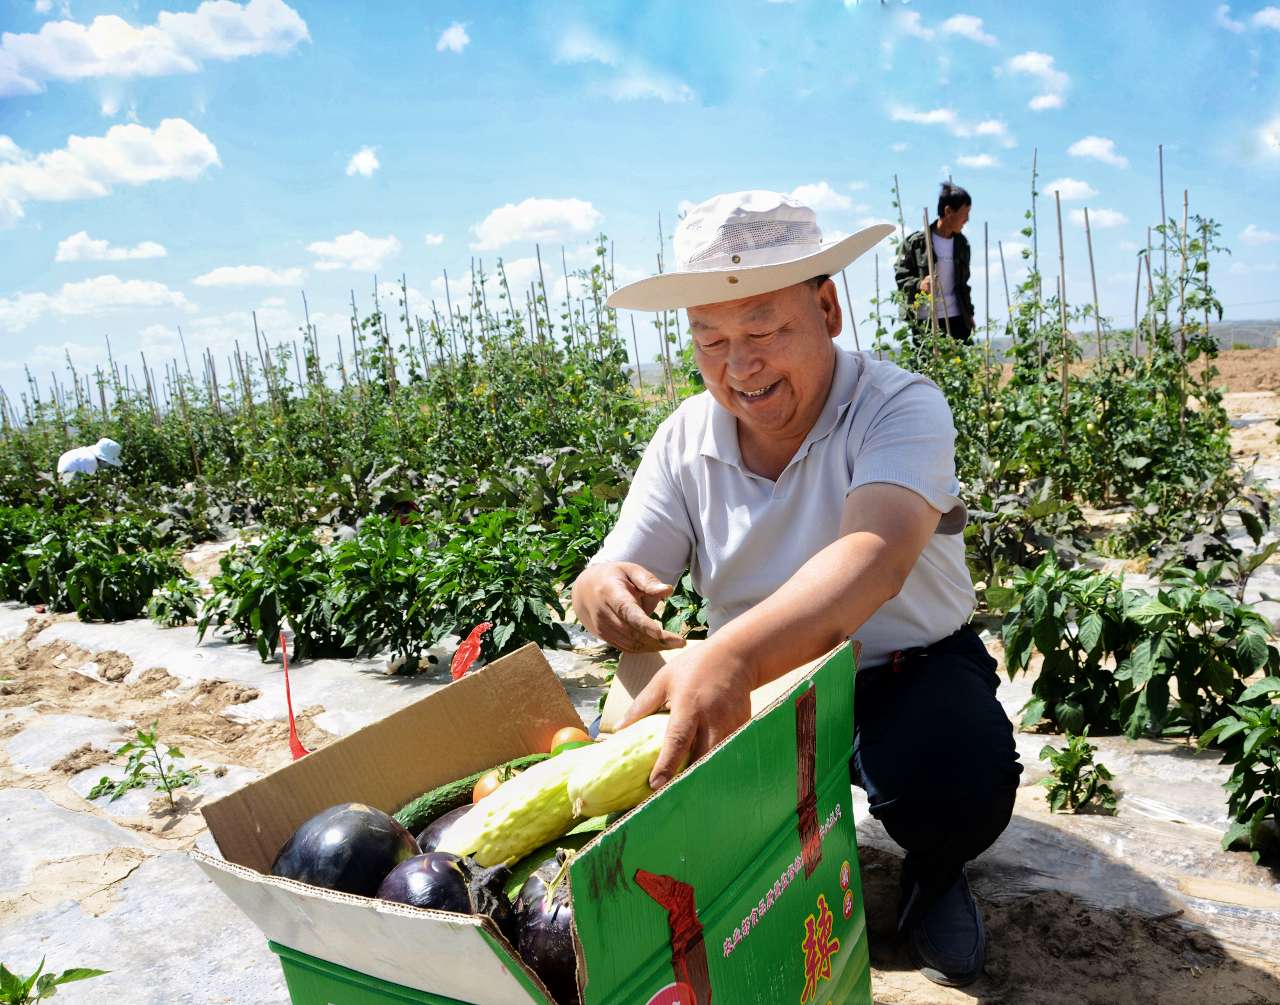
(1052, 949)
(59, 678)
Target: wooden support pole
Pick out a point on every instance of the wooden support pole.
(1093, 278)
(852, 320)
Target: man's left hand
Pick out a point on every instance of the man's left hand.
(709, 696)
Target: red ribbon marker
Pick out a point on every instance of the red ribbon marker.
(295, 745)
(468, 652)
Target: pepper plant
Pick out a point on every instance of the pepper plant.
(1250, 737)
(1075, 781)
(39, 986)
(1192, 633)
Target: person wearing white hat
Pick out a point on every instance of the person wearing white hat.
(812, 494)
(85, 460)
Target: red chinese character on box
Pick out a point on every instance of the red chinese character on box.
(818, 947)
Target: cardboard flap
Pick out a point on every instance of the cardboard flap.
(635, 670)
(509, 708)
(444, 954)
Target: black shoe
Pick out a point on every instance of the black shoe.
(948, 942)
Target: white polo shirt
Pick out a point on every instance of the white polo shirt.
(693, 504)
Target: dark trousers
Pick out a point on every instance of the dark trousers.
(957, 327)
(934, 751)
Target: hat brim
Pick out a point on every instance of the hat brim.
(716, 286)
(115, 462)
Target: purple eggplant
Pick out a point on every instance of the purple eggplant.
(431, 834)
(350, 847)
(544, 915)
(443, 882)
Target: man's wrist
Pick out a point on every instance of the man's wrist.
(732, 660)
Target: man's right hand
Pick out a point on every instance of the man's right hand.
(613, 600)
(926, 284)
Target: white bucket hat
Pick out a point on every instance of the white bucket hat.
(742, 244)
(107, 451)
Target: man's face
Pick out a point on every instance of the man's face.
(956, 218)
(769, 359)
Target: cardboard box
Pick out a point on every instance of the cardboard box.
(740, 878)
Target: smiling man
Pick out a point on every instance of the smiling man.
(812, 493)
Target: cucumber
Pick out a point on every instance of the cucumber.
(416, 814)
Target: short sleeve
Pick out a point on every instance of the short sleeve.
(911, 442)
(653, 528)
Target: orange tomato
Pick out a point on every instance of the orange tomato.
(486, 786)
(569, 734)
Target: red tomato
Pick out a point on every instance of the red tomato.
(569, 734)
(486, 786)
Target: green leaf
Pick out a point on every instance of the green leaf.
(1252, 648)
(1091, 631)
(1236, 832)
(79, 974)
(1256, 737)
(1268, 685)
(1149, 610)
(1032, 712)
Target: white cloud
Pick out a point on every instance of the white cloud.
(1268, 17)
(977, 161)
(899, 148)
(110, 106)
(1040, 67)
(1253, 234)
(88, 166)
(250, 275)
(44, 6)
(1100, 149)
(967, 26)
(581, 45)
(633, 80)
(80, 247)
(1223, 17)
(1268, 138)
(856, 186)
(364, 162)
(356, 251)
(1070, 188)
(956, 126)
(910, 23)
(454, 38)
(639, 84)
(820, 196)
(535, 220)
(1252, 268)
(431, 240)
(176, 43)
(88, 297)
(1099, 218)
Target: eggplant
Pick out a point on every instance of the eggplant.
(430, 835)
(544, 915)
(439, 881)
(349, 847)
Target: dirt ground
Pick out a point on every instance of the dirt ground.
(1045, 949)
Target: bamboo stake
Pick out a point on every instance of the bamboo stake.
(1066, 333)
(986, 277)
(849, 300)
(879, 324)
(183, 340)
(1035, 248)
(635, 342)
(1151, 299)
(902, 223)
(568, 306)
(933, 282)
(1137, 295)
(1164, 230)
(1182, 325)
(546, 300)
(1093, 278)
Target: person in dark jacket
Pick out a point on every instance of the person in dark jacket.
(951, 300)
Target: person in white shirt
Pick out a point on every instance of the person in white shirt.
(812, 494)
(85, 460)
(950, 298)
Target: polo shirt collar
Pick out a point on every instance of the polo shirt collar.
(720, 437)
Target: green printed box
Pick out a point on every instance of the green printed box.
(737, 883)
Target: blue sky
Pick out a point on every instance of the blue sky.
(166, 164)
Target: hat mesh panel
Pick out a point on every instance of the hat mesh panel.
(738, 237)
